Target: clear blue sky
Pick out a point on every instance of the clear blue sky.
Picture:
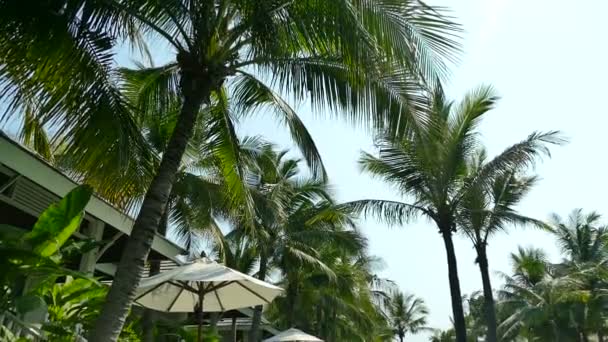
(548, 61)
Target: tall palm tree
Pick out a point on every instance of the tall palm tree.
(362, 58)
(430, 167)
(486, 211)
(408, 314)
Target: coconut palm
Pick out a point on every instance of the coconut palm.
(542, 312)
(430, 167)
(582, 239)
(487, 211)
(302, 236)
(56, 72)
(339, 306)
(565, 301)
(530, 266)
(443, 336)
(546, 302)
(337, 54)
(292, 213)
(407, 314)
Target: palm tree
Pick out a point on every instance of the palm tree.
(487, 211)
(365, 57)
(292, 213)
(530, 266)
(565, 301)
(339, 306)
(301, 235)
(443, 336)
(583, 240)
(408, 314)
(430, 167)
(542, 312)
(543, 302)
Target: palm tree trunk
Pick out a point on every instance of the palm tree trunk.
(600, 335)
(147, 321)
(457, 310)
(129, 271)
(256, 320)
(291, 295)
(482, 258)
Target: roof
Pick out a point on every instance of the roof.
(33, 167)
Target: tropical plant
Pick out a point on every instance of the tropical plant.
(71, 303)
(36, 254)
(407, 314)
(336, 52)
(583, 240)
(540, 312)
(338, 308)
(430, 166)
(292, 215)
(448, 335)
(530, 266)
(558, 302)
(487, 210)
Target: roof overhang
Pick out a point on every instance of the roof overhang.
(33, 167)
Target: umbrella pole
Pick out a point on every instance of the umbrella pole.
(201, 295)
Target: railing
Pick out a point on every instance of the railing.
(12, 327)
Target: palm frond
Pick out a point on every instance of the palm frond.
(519, 156)
(391, 212)
(153, 90)
(250, 94)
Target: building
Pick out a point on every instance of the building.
(28, 185)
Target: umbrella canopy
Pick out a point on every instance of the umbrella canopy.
(220, 288)
(293, 335)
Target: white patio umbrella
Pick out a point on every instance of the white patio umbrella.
(293, 335)
(203, 285)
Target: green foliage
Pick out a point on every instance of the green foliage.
(57, 223)
(435, 167)
(407, 314)
(565, 301)
(36, 254)
(75, 301)
(368, 61)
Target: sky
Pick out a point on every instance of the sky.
(547, 60)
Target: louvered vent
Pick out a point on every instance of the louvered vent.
(32, 196)
(165, 265)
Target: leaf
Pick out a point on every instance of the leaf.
(57, 223)
(29, 303)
